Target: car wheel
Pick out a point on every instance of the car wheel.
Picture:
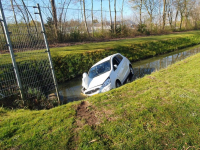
(118, 84)
(131, 70)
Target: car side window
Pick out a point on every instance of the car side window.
(115, 61)
(119, 57)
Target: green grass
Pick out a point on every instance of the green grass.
(159, 111)
(62, 51)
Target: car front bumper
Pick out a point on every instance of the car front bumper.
(97, 90)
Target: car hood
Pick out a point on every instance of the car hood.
(99, 80)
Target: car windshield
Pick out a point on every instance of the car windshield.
(99, 69)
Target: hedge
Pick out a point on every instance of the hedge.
(72, 65)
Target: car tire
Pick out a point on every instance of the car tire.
(118, 84)
(131, 70)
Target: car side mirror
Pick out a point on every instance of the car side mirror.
(85, 75)
(115, 67)
(85, 80)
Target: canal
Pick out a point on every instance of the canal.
(71, 90)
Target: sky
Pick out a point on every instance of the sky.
(74, 9)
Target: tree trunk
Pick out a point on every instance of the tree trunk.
(176, 18)
(61, 15)
(140, 12)
(85, 18)
(181, 20)
(164, 13)
(186, 14)
(92, 19)
(122, 13)
(54, 17)
(66, 10)
(170, 17)
(101, 18)
(115, 16)
(110, 16)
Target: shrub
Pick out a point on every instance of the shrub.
(37, 101)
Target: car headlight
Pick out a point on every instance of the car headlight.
(108, 81)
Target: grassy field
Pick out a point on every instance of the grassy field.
(159, 111)
(62, 51)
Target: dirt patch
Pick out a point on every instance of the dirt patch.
(84, 113)
(151, 77)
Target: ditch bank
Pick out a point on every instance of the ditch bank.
(72, 65)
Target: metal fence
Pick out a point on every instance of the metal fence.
(25, 61)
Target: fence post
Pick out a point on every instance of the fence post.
(9, 44)
(48, 52)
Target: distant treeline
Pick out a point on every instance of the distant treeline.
(149, 17)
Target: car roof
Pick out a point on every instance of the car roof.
(105, 59)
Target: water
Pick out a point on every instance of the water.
(71, 90)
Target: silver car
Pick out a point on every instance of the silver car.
(109, 73)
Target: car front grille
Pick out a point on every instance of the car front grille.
(92, 91)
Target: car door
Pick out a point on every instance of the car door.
(119, 70)
(122, 62)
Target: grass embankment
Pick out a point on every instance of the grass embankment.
(159, 111)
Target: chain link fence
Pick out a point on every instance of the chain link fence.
(8, 83)
(31, 56)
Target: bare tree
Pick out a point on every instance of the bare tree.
(21, 11)
(53, 7)
(85, 21)
(29, 14)
(150, 6)
(195, 15)
(138, 4)
(122, 19)
(62, 10)
(176, 16)
(169, 7)
(92, 19)
(25, 15)
(66, 10)
(11, 1)
(164, 13)
(115, 16)
(101, 17)
(189, 6)
(110, 15)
